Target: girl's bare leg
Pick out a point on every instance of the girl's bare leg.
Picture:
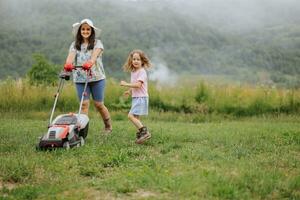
(135, 119)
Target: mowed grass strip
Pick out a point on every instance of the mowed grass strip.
(242, 159)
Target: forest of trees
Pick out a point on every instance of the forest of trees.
(168, 31)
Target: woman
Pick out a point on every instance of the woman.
(86, 51)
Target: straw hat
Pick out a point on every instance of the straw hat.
(85, 21)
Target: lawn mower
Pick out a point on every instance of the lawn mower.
(66, 130)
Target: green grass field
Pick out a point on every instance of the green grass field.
(250, 158)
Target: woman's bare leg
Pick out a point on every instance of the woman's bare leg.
(104, 114)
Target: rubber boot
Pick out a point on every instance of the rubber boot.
(107, 126)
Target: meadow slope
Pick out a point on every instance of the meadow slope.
(253, 158)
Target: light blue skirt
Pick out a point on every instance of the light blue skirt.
(139, 106)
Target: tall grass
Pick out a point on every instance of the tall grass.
(202, 97)
(21, 96)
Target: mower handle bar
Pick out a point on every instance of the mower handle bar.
(66, 74)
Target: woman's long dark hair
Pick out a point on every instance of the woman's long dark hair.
(79, 39)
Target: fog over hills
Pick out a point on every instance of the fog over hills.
(232, 37)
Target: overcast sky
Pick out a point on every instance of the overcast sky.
(228, 14)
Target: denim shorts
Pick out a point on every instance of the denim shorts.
(95, 88)
(139, 106)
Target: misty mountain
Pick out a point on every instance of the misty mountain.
(240, 38)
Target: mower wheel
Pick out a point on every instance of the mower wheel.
(37, 147)
(81, 141)
(84, 132)
(66, 145)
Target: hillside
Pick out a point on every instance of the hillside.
(194, 37)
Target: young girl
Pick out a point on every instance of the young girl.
(86, 51)
(136, 63)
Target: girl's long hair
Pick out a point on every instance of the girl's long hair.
(128, 66)
(79, 40)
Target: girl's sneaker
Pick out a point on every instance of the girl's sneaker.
(138, 136)
(142, 135)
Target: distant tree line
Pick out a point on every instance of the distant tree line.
(186, 45)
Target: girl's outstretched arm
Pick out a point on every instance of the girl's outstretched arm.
(131, 85)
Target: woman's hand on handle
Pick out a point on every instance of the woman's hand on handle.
(87, 65)
(68, 67)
